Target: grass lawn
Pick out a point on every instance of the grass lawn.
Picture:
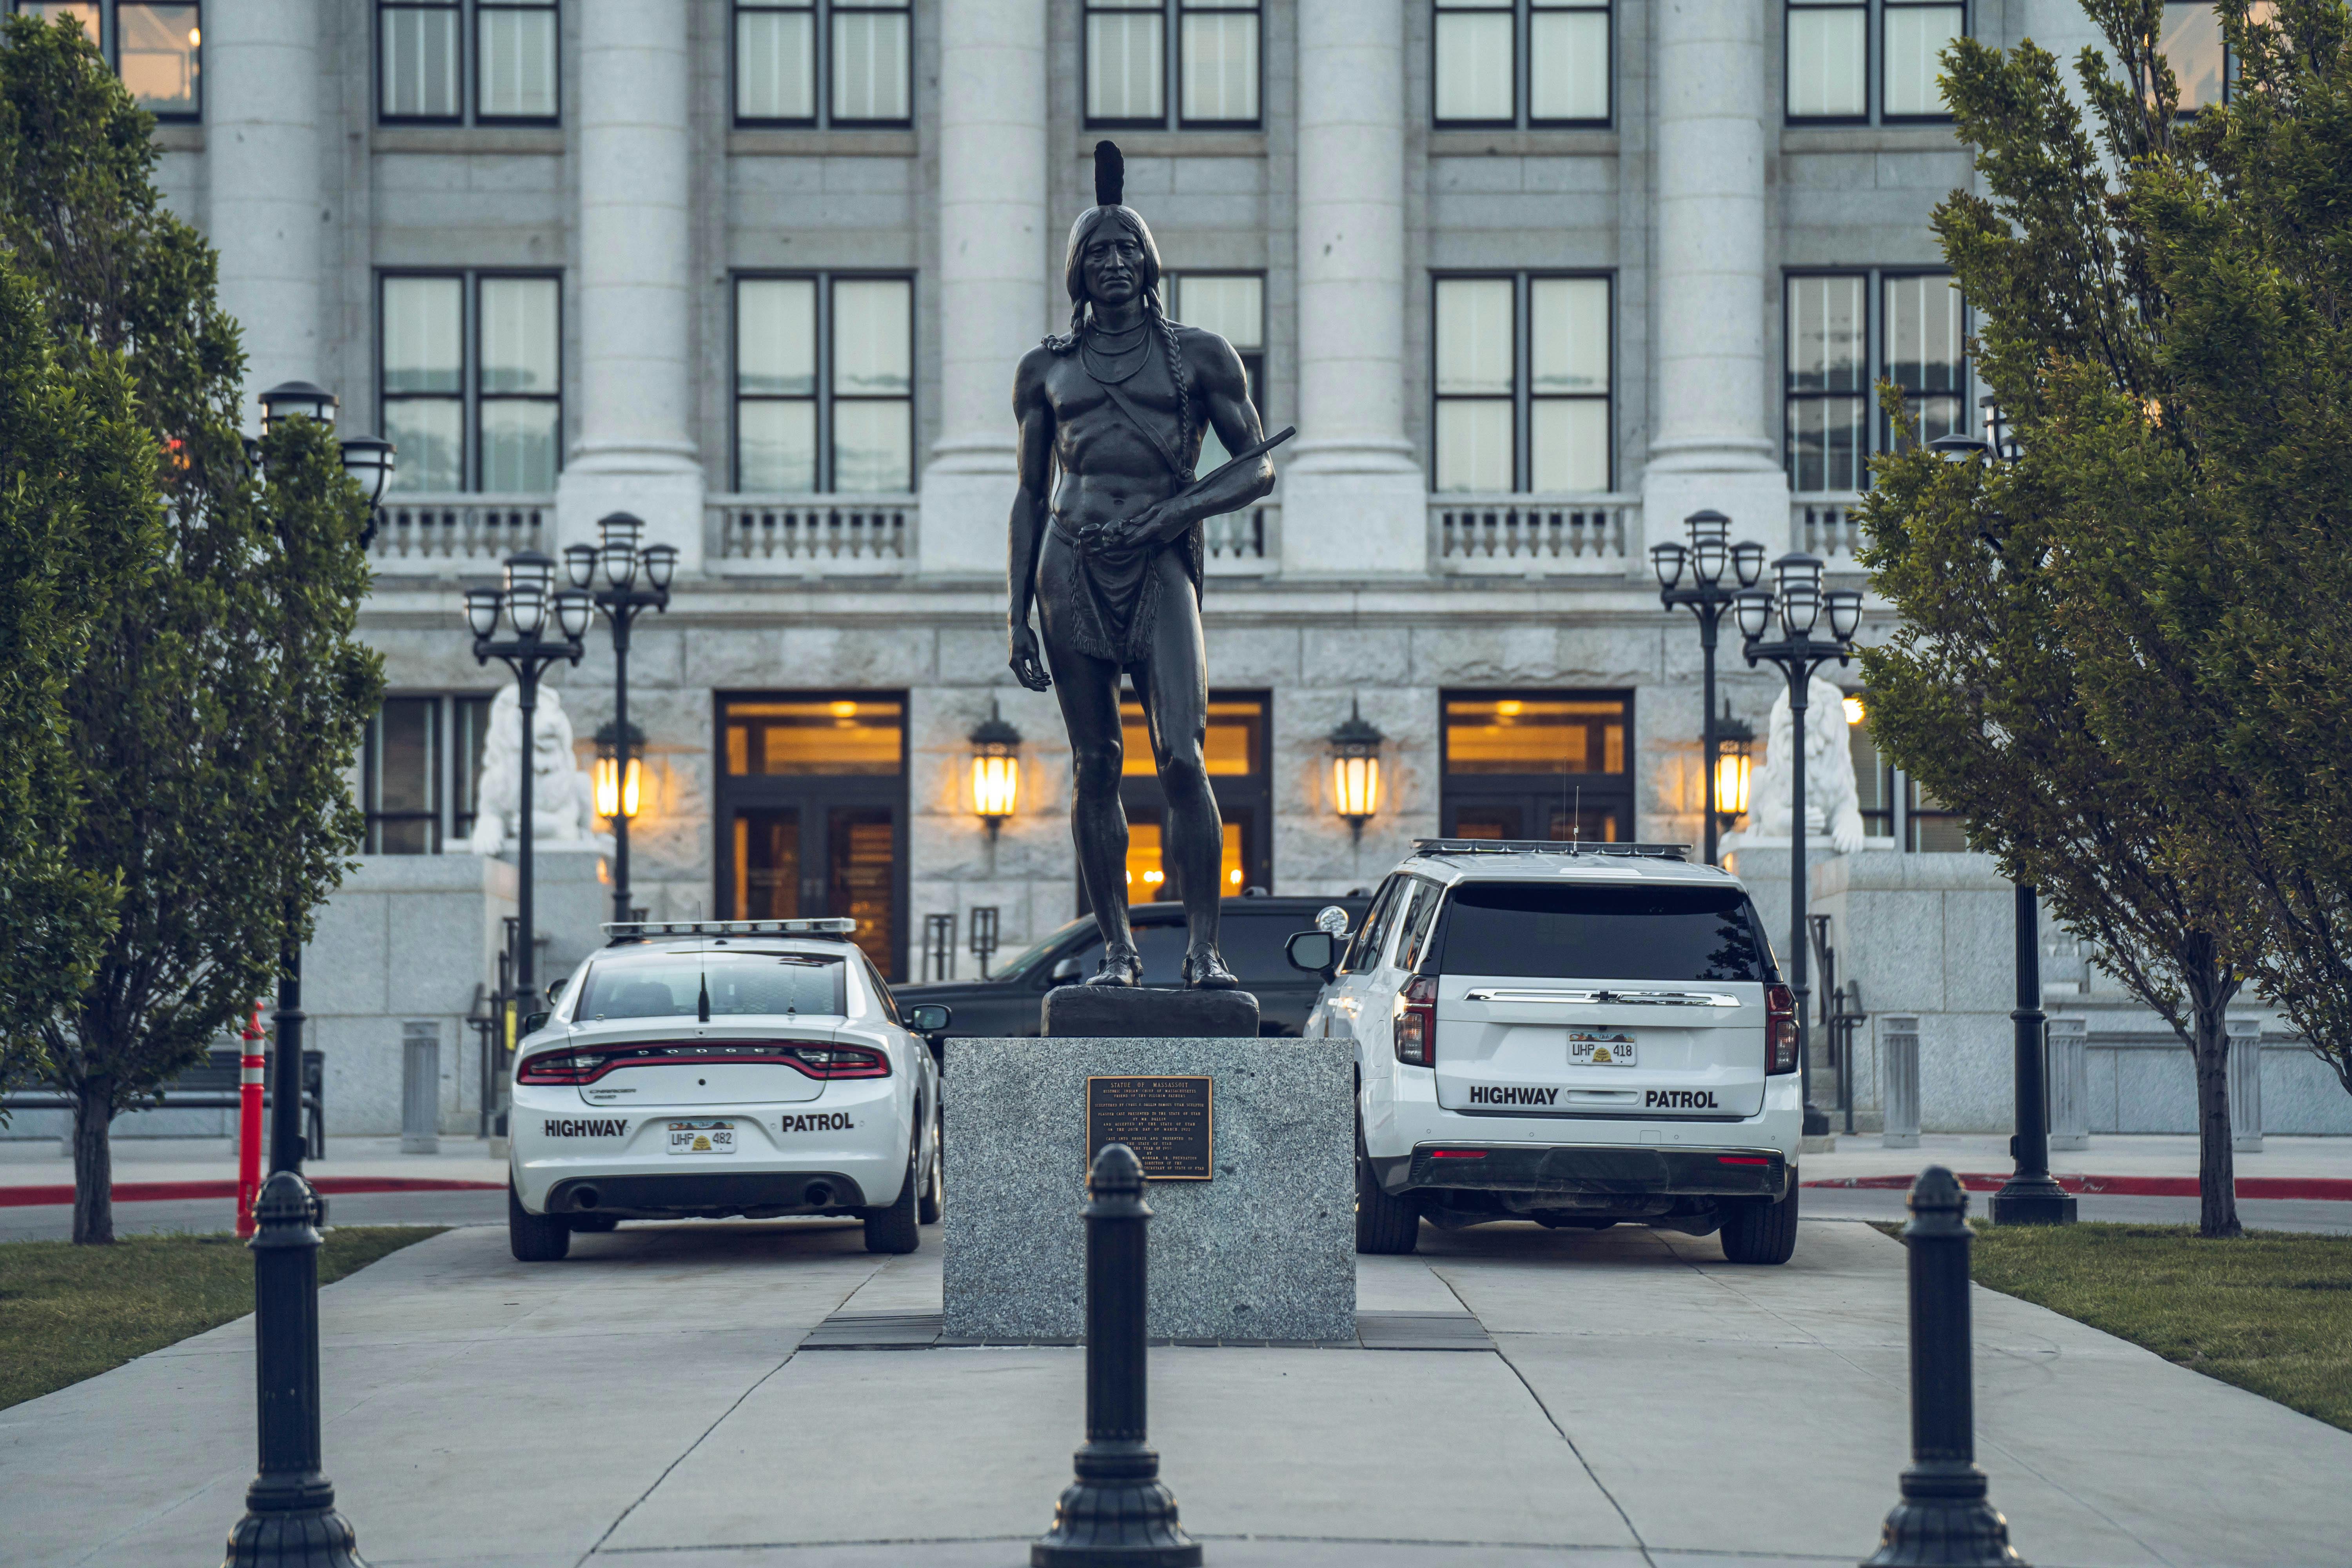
(2271, 1313)
(69, 1313)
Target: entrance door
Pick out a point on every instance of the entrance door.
(1538, 765)
(1236, 752)
(812, 812)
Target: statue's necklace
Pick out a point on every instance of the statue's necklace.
(1118, 361)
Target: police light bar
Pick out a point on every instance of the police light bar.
(1547, 846)
(635, 930)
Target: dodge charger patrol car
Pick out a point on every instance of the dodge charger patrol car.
(717, 1069)
(1575, 1034)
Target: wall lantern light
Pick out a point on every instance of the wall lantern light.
(1854, 711)
(618, 794)
(1734, 764)
(996, 770)
(1355, 769)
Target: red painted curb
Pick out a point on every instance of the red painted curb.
(162, 1192)
(2331, 1189)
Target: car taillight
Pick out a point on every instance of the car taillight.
(839, 1061)
(1416, 1022)
(1780, 1029)
(558, 1067)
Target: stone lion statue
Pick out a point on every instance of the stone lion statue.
(562, 801)
(1833, 807)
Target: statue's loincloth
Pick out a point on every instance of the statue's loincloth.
(1104, 603)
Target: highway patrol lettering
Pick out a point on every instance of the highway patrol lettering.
(1482, 1095)
(588, 1127)
(1680, 1099)
(824, 1121)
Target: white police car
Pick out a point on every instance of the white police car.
(717, 1069)
(1571, 1034)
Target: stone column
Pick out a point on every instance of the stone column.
(632, 263)
(1354, 501)
(264, 216)
(998, 268)
(1713, 440)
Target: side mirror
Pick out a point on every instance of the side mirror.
(1069, 972)
(930, 1018)
(555, 988)
(1316, 952)
(533, 1022)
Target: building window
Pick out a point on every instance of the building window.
(1893, 807)
(423, 49)
(2203, 65)
(1210, 77)
(824, 384)
(1480, 46)
(1554, 765)
(420, 765)
(1233, 306)
(1829, 72)
(470, 375)
(1917, 336)
(1519, 409)
(157, 49)
(865, 63)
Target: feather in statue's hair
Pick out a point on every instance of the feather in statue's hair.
(1111, 175)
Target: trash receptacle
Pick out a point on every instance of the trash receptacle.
(420, 1087)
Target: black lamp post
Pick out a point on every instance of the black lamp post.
(1799, 602)
(1707, 553)
(2029, 1196)
(621, 561)
(368, 460)
(290, 1506)
(527, 605)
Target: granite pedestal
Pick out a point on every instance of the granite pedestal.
(1264, 1250)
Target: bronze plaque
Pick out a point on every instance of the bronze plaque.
(1166, 1121)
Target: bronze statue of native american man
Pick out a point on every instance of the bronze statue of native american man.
(1112, 556)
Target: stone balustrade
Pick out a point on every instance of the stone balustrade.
(439, 533)
(1535, 536)
(819, 535)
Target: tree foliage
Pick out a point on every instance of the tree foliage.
(79, 526)
(2123, 650)
(216, 709)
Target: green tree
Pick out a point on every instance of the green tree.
(79, 526)
(216, 710)
(2003, 692)
(2222, 541)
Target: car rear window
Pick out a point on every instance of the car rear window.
(1564, 931)
(740, 983)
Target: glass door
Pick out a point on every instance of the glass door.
(1237, 754)
(813, 813)
(1538, 765)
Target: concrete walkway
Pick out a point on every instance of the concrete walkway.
(1646, 1402)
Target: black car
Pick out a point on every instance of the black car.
(1251, 936)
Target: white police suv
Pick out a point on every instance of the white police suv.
(716, 1069)
(1574, 1034)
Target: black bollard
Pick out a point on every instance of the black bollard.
(290, 1510)
(1117, 1511)
(1944, 1519)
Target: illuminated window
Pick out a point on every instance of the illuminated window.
(1236, 749)
(778, 737)
(1539, 765)
(157, 49)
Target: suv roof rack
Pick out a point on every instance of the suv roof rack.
(1547, 846)
(841, 927)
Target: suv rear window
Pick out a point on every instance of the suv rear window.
(1564, 931)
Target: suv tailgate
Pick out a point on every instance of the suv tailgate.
(1567, 998)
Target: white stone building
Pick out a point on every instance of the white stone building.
(1535, 279)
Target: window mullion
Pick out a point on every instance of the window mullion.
(1522, 385)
